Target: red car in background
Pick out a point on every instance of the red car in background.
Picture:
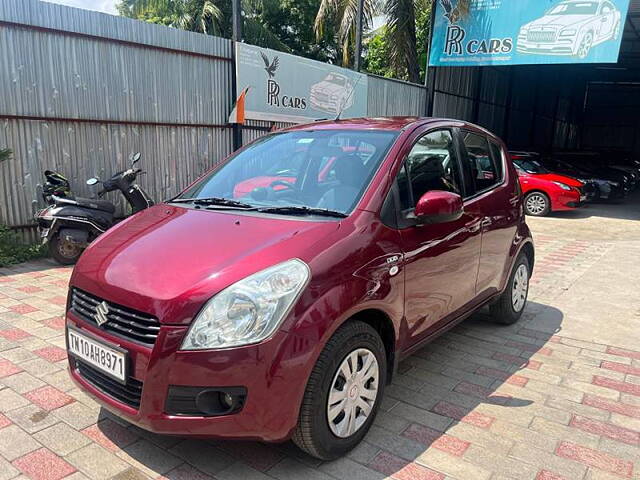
(544, 191)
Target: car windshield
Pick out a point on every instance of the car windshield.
(336, 79)
(576, 8)
(322, 169)
(530, 166)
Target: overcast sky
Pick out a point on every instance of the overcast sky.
(106, 6)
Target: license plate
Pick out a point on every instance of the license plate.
(108, 359)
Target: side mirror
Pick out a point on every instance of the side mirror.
(93, 181)
(135, 158)
(438, 206)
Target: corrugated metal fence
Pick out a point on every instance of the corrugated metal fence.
(528, 106)
(81, 91)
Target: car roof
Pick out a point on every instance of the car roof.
(385, 123)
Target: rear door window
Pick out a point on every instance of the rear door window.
(480, 161)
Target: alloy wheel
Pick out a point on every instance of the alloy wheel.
(536, 204)
(353, 393)
(520, 288)
(585, 46)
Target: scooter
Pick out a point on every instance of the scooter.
(69, 225)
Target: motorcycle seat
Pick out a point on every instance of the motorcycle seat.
(102, 205)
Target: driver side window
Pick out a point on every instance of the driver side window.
(431, 164)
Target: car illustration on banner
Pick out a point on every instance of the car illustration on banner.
(333, 94)
(571, 28)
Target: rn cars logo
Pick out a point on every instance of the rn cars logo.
(455, 41)
(102, 310)
(274, 99)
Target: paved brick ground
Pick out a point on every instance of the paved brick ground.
(482, 402)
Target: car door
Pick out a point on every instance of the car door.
(440, 260)
(494, 198)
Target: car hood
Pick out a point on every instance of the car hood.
(560, 21)
(168, 260)
(555, 177)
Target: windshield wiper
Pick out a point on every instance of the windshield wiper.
(226, 202)
(301, 210)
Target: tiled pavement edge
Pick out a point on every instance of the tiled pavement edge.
(482, 402)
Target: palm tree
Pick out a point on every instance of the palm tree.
(204, 16)
(5, 154)
(342, 14)
(400, 29)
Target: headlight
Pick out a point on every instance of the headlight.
(563, 186)
(250, 310)
(614, 184)
(568, 33)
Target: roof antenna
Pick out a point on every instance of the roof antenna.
(353, 89)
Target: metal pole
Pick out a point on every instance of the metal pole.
(430, 73)
(430, 40)
(358, 52)
(236, 20)
(236, 37)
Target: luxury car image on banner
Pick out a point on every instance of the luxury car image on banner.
(498, 32)
(285, 88)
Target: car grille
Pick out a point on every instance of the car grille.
(124, 322)
(128, 394)
(320, 97)
(542, 37)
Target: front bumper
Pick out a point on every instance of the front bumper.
(273, 379)
(559, 47)
(567, 200)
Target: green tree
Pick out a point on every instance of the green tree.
(211, 17)
(5, 154)
(386, 49)
(340, 16)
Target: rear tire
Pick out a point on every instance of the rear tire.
(537, 204)
(62, 252)
(329, 439)
(508, 308)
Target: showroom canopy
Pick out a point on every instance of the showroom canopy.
(508, 32)
(286, 88)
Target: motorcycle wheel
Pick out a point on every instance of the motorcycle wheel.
(63, 252)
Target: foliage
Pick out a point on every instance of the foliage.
(341, 15)
(383, 57)
(12, 251)
(319, 29)
(5, 154)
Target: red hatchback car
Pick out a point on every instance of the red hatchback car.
(545, 191)
(283, 313)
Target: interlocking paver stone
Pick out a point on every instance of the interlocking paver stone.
(554, 397)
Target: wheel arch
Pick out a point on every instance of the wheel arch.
(383, 324)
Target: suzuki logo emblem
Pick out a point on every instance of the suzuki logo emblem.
(102, 310)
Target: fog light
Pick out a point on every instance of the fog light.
(226, 400)
(205, 401)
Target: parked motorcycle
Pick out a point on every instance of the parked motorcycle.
(69, 225)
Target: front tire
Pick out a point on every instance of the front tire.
(537, 204)
(508, 308)
(64, 252)
(585, 46)
(343, 392)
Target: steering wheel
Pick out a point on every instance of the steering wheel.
(283, 183)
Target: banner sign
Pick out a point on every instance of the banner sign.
(522, 32)
(287, 88)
